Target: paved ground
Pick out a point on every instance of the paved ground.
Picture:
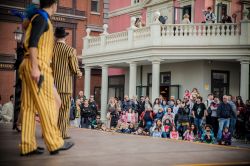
(94, 148)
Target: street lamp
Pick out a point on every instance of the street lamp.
(18, 34)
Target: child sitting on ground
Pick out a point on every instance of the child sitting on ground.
(167, 126)
(131, 128)
(226, 137)
(157, 129)
(188, 135)
(208, 135)
(174, 134)
(97, 123)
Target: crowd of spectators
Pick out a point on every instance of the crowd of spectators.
(192, 118)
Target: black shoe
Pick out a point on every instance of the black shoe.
(34, 152)
(68, 137)
(66, 146)
(40, 148)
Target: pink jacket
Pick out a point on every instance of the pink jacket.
(132, 118)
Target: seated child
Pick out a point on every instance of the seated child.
(188, 135)
(157, 129)
(167, 126)
(226, 137)
(208, 135)
(131, 128)
(174, 133)
(97, 123)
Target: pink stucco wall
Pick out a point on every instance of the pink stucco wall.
(117, 4)
(209, 3)
(116, 71)
(198, 7)
(236, 9)
(119, 23)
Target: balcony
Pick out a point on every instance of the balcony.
(171, 41)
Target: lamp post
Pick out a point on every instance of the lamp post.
(18, 36)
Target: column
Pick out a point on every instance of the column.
(155, 79)
(244, 80)
(132, 79)
(104, 93)
(87, 78)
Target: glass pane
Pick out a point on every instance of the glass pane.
(150, 79)
(150, 94)
(116, 80)
(111, 92)
(94, 6)
(220, 78)
(174, 92)
(166, 78)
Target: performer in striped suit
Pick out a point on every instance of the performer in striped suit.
(38, 44)
(64, 66)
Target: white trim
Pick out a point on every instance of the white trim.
(95, 13)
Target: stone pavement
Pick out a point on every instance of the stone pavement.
(97, 148)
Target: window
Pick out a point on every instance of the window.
(165, 78)
(221, 11)
(187, 10)
(220, 82)
(95, 6)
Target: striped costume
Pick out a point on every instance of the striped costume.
(64, 66)
(44, 102)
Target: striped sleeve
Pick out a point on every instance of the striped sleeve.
(73, 63)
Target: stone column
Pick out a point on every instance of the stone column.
(132, 79)
(244, 80)
(104, 93)
(155, 79)
(87, 78)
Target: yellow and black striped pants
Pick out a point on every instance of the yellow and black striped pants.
(44, 104)
(64, 111)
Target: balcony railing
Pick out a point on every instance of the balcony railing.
(177, 35)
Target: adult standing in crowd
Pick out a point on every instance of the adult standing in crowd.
(87, 115)
(210, 99)
(233, 117)
(35, 68)
(199, 110)
(93, 104)
(214, 118)
(224, 112)
(64, 66)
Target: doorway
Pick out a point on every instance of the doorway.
(220, 82)
(179, 12)
(164, 91)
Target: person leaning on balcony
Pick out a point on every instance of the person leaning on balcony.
(139, 23)
(209, 15)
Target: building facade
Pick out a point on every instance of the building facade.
(74, 15)
(166, 59)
